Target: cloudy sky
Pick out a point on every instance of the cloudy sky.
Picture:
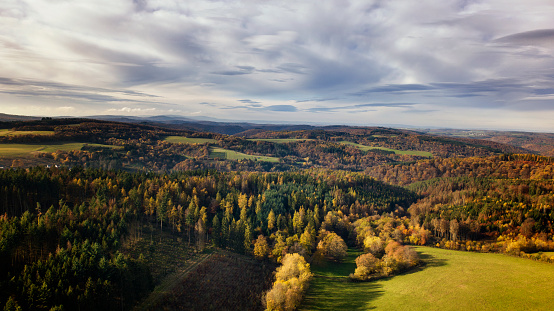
(443, 63)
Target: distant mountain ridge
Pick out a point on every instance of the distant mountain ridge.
(10, 117)
(204, 124)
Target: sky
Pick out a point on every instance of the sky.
(427, 63)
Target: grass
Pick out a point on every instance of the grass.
(189, 140)
(406, 152)
(8, 132)
(24, 150)
(280, 140)
(330, 288)
(451, 280)
(234, 155)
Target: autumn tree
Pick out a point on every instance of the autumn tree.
(332, 246)
(366, 265)
(291, 282)
(271, 221)
(374, 245)
(261, 248)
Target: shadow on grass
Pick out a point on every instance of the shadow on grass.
(331, 289)
(431, 261)
(333, 293)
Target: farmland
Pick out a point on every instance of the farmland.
(450, 280)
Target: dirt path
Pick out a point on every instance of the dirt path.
(170, 282)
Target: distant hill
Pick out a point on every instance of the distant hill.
(11, 117)
(541, 143)
(204, 124)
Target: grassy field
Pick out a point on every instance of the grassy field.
(451, 280)
(407, 152)
(233, 155)
(24, 150)
(8, 132)
(280, 140)
(189, 140)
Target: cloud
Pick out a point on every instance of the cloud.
(334, 56)
(533, 37)
(38, 89)
(132, 110)
(242, 70)
(359, 107)
(281, 108)
(208, 104)
(395, 88)
(248, 101)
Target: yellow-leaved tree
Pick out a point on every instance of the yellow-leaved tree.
(291, 282)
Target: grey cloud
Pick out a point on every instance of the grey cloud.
(283, 108)
(38, 89)
(243, 70)
(360, 106)
(248, 101)
(317, 100)
(546, 91)
(498, 85)
(395, 88)
(293, 68)
(442, 53)
(258, 107)
(533, 37)
(53, 87)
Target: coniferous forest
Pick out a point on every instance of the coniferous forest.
(94, 214)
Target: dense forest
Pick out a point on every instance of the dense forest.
(79, 227)
(63, 229)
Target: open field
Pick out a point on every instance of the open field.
(189, 140)
(280, 140)
(407, 152)
(8, 132)
(24, 150)
(451, 280)
(234, 155)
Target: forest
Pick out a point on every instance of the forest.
(81, 229)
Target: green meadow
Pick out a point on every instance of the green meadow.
(234, 155)
(407, 152)
(8, 132)
(450, 280)
(23, 150)
(189, 140)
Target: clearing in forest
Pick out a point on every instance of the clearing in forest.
(224, 281)
(189, 140)
(234, 155)
(406, 152)
(24, 150)
(8, 132)
(450, 280)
